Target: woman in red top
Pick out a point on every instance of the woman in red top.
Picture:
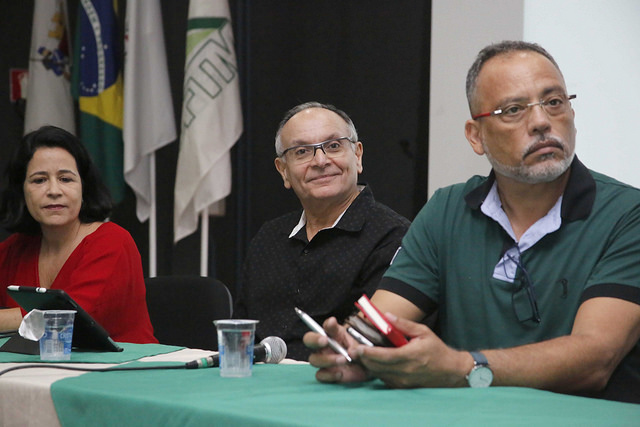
(57, 205)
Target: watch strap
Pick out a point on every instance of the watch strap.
(479, 359)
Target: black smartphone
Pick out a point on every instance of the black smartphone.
(365, 333)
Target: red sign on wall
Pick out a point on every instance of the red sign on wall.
(18, 83)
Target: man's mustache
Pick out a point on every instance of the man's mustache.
(543, 142)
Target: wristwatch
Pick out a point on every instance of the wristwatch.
(481, 374)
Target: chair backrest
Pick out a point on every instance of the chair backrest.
(182, 309)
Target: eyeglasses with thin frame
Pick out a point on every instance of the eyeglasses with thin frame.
(554, 105)
(526, 287)
(331, 148)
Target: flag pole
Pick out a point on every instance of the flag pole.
(204, 242)
(206, 120)
(149, 121)
(152, 218)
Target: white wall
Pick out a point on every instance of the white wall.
(595, 42)
(459, 29)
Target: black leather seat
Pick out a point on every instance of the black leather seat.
(182, 309)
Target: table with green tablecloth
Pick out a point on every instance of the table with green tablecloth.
(288, 394)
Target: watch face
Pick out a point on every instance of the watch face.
(480, 376)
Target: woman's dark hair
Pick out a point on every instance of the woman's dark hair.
(96, 200)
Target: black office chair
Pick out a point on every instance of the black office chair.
(182, 309)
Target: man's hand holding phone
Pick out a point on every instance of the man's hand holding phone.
(332, 341)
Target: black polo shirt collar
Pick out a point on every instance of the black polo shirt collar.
(354, 217)
(578, 197)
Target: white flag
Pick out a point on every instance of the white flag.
(211, 116)
(148, 108)
(49, 100)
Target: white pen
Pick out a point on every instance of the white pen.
(313, 325)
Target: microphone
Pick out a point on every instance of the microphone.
(269, 350)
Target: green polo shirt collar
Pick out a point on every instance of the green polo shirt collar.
(578, 197)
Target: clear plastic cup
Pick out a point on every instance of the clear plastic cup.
(235, 346)
(55, 344)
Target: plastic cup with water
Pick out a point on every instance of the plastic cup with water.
(56, 342)
(235, 346)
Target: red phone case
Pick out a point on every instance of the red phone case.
(378, 319)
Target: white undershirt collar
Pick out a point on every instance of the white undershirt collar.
(507, 265)
(303, 218)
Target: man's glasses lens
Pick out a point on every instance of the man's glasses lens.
(524, 307)
(304, 153)
(553, 105)
(523, 297)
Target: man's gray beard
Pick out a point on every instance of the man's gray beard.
(535, 174)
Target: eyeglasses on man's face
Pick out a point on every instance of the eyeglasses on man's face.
(554, 105)
(331, 148)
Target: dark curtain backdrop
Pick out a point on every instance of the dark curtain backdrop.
(367, 57)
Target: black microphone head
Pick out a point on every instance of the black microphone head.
(275, 349)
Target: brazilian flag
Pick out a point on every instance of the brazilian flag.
(97, 85)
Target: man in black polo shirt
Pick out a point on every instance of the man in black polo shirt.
(323, 257)
(535, 269)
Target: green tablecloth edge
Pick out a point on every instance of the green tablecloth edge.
(290, 395)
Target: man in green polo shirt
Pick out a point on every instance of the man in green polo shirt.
(534, 270)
